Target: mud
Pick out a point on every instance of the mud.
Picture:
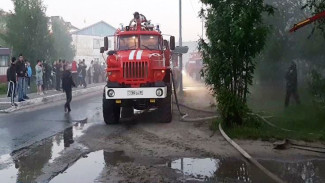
(143, 150)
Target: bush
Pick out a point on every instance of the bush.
(231, 108)
(317, 88)
(236, 35)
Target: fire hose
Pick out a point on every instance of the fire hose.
(185, 115)
(236, 146)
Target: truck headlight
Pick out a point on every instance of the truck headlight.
(159, 92)
(111, 93)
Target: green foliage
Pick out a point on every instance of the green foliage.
(317, 6)
(236, 36)
(317, 88)
(27, 30)
(3, 22)
(62, 40)
(3, 88)
(232, 108)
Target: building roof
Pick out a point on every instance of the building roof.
(100, 28)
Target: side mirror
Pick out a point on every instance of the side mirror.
(105, 43)
(112, 52)
(172, 42)
(102, 49)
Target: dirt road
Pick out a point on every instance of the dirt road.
(142, 150)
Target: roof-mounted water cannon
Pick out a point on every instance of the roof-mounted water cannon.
(140, 23)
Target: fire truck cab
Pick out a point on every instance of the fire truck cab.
(138, 73)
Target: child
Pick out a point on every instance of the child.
(11, 77)
(39, 77)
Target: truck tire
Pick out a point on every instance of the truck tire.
(165, 109)
(127, 112)
(111, 112)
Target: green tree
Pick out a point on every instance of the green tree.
(62, 38)
(317, 6)
(236, 35)
(3, 27)
(27, 30)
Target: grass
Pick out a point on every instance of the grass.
(307, 120)
(3, 88)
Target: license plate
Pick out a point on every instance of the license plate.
(135, 92)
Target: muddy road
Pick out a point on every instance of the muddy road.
(45, 145)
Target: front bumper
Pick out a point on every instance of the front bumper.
(136, 93)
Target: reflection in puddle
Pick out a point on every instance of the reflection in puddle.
(4, 158)
(198, 168)
(237, 170)
(84, 170)
(88, 169)
(113, 158)
(27, 168)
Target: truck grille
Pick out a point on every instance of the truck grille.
(135, 70)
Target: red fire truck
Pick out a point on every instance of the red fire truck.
(138, 72)
(194, 65)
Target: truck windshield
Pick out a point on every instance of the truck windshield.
(128, 42)
(149, 42)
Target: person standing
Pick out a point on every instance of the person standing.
(46, 76)
(90, 72)
(58, 73)
(103, 72)
(25, 86)
(292, 84)
(67, 84)
(82, 73)
(21, 73)
(29, 74)
(11, 78)
(39, 77)
(96, 72)
(74, 72)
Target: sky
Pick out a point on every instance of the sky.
(82, 13)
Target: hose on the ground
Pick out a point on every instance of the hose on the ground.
(244, 153)
(184, 115)
(249, 158)
(293, 145)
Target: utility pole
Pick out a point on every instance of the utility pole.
(180, 44)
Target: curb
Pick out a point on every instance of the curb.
(50, 98)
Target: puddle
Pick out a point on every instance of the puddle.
(28, 168)
(89, 168)
(84, 170)
(198, 168)
(236, 170)
(113, 158)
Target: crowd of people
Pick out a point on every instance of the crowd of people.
(51, 76)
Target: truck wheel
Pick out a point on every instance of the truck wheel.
(111, 112)
(165, 109)
(127, 112)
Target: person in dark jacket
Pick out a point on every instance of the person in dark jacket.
(292, 82)
(21, 74)
(82, 67)
(67, 84)
(11, 78)
(58, 74)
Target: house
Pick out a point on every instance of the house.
(87, 41)
(4, 63)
